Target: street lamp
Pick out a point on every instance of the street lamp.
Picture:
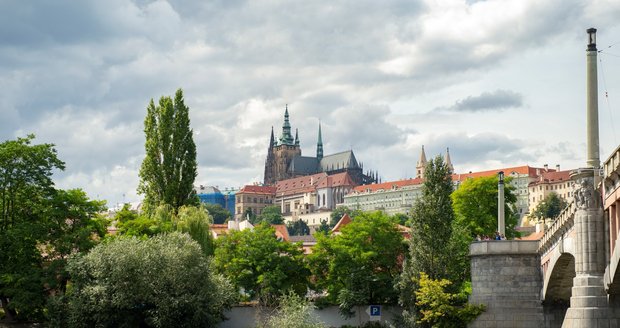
(591, 38)
(501, 222)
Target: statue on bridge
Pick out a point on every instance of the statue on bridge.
(586, 197)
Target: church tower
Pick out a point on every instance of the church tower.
(280, 154)
(449, 161)
(421, 165)
(319, 146)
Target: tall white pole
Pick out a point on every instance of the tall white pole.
(593, 157)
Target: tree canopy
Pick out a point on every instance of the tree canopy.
(438, 248)
(339, 211)
(271, 214)
(220, 215)
(475, 206)
(550, 207)
(262, 265)
(168, 171)
(359, 265)
(163, 281)
(26, 187)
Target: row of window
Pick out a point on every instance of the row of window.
(259, 200)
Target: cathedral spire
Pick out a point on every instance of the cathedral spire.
(272, 140)
(319, 145)
(421, 164)
(296, 137)
(448, 160)
(286, 138)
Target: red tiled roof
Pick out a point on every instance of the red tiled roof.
(346, 219)
(388, 185)
(281, 231)
(553, 177)
(534, 236)
(336, 180)
(252, 189)
(299, 184)
(523, 170)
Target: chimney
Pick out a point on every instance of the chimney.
(557, 167)
(546, 167)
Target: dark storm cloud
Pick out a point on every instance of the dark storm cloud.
(488, 101)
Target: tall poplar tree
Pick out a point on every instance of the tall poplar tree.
(169, 169)
(436, 246)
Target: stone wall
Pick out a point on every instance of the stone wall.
(507, 279)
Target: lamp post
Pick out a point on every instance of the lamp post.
(501, 222)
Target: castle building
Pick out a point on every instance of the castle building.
(284, 159)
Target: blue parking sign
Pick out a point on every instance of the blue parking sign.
(375, 310)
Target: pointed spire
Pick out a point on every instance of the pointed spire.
(286, 138)
(296, 137)
(421, 164)
(319, 145)
(272, 140)
(448, 160)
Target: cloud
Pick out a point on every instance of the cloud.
(497, 100)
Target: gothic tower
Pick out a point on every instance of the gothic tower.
(280, 154)
(421, 164)
(319, 146)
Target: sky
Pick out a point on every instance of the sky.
(501, 83)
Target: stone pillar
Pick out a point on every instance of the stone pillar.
(588, 302)
(506, 278)
(593, 156)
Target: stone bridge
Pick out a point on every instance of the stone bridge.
(575, 266)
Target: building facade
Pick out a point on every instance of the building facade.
(557, 181)
(253, 198)
(213, 195)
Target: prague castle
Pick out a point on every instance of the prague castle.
(284, 159)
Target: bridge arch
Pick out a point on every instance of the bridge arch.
(558, 279)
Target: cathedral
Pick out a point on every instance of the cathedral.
(284, 160)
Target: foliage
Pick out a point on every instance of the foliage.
(550, 207)
(261, 264)
(271, 214)
(293, 312)
(74, 226)
(431, 221)
(168, 171)
(249, 215)
(339, 211)
(475, 205)
(439, 308)
(142, 226)
(324, 228)
(25, 187)
(401, 218)
(195, 221)
(163, 281)
(359, 266)
(433, 246)
(220, 215)
(298, 228)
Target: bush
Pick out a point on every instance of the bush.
(165, 281)
(293, 312)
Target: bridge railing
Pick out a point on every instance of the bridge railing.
(560, 225)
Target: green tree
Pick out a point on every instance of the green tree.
(359, 265)
(339, 211)
(271, 214)
(438, 246)
(164, 281)
(298, 228)
(220, 215)
(550, 207)
(442, 309)
(324, 228)
(25, 187)
(260, 264)
(195, 221)
(475, 206)
(168, 171)
(293, 312)
(74, 226)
